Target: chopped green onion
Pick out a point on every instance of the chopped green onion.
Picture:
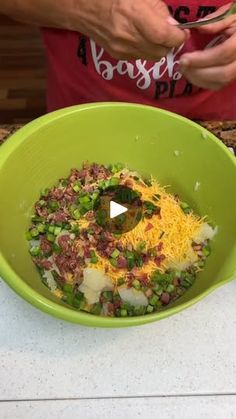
(108, 295)
(66, 226)
(34, 232)
(77, 302)
(120, 281)
(139, 310)
(187, 280)
(115, 254)
(76, 214)
(156, 197)
(51, 228)
(114, 181)
(41, 228)
(153, 300)
(149, 309)
(74, 228)
(50, 237)
(158, 290)
(201, 263)
(96, 308)
(136, 284)
(185, 207)
(53, 205)
(41, 202)
(206, 250)
(101, 184)
(64, 182)
(130, 259)
(67, 288)
(117, 167)
(28, 235)
(70, 300)
(84, 199)
(56, 249)
(93, 257)
(36, 219)
(123, 312)
(35, 250)
(138, 260)
(113, 262)
(45, 192)
(141, 246)
(77, 186)
(95, 195)
(57, 230)
(170, 288)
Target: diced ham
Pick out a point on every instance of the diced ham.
(159, 259)
(69, 262)
(45, 245)
(121, 262)
(145, 258)
(86, 252)
(160, 246)
(148, 227)
(165, 298)
(43, 263)
(58, 217)
(143, 279)
(89, 215)
(64, 242)
(41, 211)
(57, 193)
(176, 282)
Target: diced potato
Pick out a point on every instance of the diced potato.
(94, 282)
(205, 232)
(132, 296)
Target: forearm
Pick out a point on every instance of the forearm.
(126, 29)
(51, 13)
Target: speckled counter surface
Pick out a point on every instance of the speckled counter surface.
(225, 131)
(183, 367)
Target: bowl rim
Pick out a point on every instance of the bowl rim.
(70, 314)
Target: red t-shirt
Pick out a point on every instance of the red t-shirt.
(80, 71)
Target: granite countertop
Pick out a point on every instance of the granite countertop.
(181, 367)
(224, 130)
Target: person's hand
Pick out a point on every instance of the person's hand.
(215, 67)
(128, 29)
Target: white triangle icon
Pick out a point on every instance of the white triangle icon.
(116, 209)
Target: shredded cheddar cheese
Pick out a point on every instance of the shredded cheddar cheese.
(173, 228)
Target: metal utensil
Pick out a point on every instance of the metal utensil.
(205, 21)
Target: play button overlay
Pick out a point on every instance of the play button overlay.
(118, 209)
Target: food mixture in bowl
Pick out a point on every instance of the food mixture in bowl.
(105, 271)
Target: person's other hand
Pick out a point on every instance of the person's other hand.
(215, 67)
(129, 29)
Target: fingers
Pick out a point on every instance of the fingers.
(221, 54)
(212, 78)
(154, 25)
(220, 26)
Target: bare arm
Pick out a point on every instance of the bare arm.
(125, 28)
(49, 13)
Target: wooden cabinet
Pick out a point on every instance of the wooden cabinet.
(22, 72)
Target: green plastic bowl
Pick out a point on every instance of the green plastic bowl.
(175, 150)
